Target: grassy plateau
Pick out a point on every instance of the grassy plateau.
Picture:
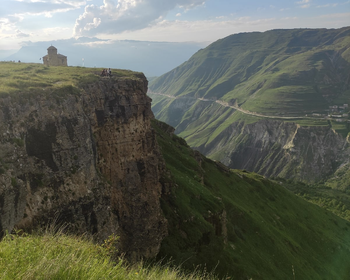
(31, 78)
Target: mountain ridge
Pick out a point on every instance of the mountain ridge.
(298, 75)
(230, 63)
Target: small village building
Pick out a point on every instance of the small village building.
(53, 58)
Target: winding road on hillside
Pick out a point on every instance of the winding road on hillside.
(225, 104)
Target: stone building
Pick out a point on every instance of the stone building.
(53, 58)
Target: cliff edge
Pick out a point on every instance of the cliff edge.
(84, 156)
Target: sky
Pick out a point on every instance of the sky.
(26, 21)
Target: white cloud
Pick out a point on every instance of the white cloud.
(126, 15)
(12, 38)
(328, 5)
(39, 7)
(68, 2)
(211, 30)
(333, 4)
(94, 44)
(95, 22)
(304, 3)
(20, 34)
(178, 14)
(14, 12)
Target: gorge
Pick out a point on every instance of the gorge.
(84, 152)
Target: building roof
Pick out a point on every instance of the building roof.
(51, 48)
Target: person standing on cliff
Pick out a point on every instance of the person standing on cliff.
(109, 72)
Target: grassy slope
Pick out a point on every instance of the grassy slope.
(270, 72)
(57, 256)
(332, 194)
(243, 225)
(333, 199)
(277, 73)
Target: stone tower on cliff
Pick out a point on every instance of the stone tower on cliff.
(53, 58)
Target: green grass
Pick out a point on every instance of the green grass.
(289, 71)
(30, 78)
(342, 128)
(278, 73)
(59, 256)
(332, 194)
(243, 226)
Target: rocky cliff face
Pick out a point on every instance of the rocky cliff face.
(275, 148)
(87, 157)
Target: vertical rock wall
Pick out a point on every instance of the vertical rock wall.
(281, 149)
(87, 158)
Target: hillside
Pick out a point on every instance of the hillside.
(255, 101)
(280, 71)
(243, 225)
(84, 151)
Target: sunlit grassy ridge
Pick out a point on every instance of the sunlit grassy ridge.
(57, 256)
(290, 71)
(242, 225)
(279, 73)
(30, 77)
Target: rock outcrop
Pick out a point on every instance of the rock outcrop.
(84, 157)
(281, 149)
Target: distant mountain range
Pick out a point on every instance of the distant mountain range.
(268, 102)
(151, 58)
